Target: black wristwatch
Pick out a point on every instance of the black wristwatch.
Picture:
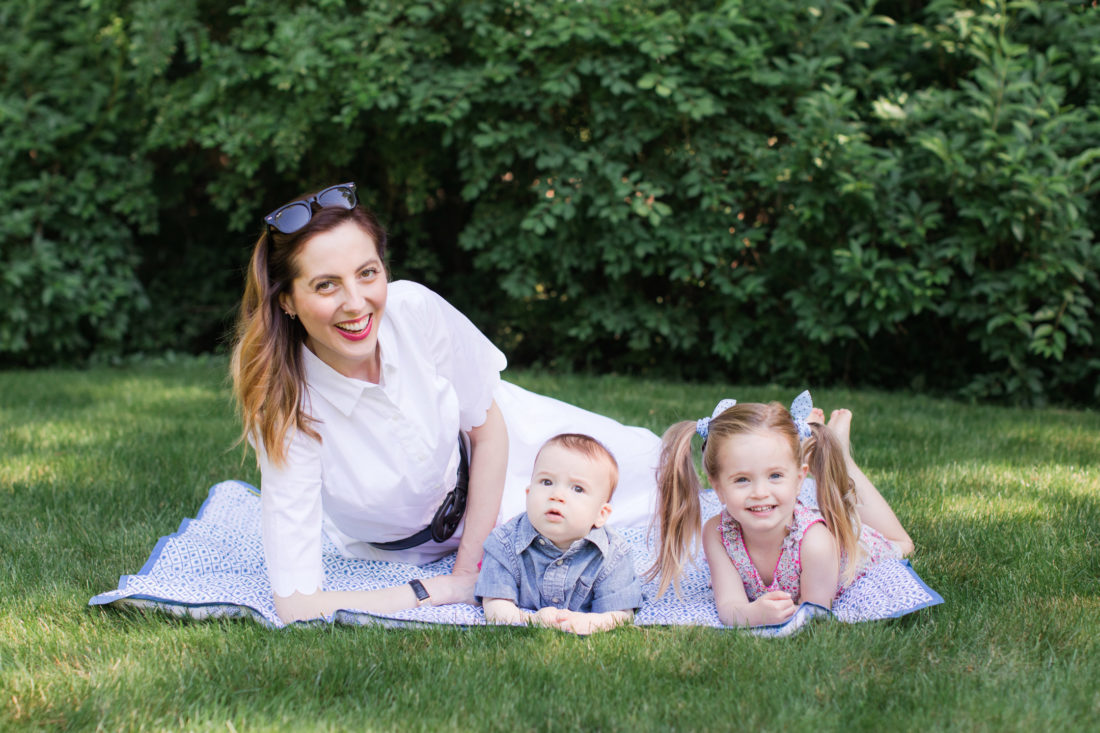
(422, 597)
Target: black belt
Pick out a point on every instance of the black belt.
(447, 517)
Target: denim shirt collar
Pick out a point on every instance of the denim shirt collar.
(527, 534)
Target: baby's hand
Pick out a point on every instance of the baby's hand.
(582, 624)
(773, 607)
(550, 617)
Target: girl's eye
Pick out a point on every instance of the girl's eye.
(740, 480)
(776, 476)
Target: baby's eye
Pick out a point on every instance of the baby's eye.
(546, 482)
(578, 489)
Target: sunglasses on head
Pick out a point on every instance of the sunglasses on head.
(295, 215)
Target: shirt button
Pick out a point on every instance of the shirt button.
(558, 561)
(557, 600)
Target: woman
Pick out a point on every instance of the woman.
(379, 418)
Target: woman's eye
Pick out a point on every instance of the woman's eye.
(325, 285)
(368, 273)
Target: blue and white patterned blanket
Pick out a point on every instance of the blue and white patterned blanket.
(213, 567)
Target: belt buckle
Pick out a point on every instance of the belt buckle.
(447, 517)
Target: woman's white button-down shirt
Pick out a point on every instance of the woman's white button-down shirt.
(388, 453)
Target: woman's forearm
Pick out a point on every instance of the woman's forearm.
(488, 467)
(442, 589)
(303, 606)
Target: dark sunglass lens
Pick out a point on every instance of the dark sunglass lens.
(337, 196)
(292, 218)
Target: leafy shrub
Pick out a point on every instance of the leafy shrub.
(886, 193)
(75, 191)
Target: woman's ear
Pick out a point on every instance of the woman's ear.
(287, 304)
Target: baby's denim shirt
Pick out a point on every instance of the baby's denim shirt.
(595, 574)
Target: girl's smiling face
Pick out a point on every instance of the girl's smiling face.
(758, 480)
(339, 294)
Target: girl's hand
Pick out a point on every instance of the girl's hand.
(773, 607)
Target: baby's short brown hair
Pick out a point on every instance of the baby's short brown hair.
(590, 448)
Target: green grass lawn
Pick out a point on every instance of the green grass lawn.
(1003, 504)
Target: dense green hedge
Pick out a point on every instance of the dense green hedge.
(890, 193)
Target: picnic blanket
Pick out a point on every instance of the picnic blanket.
(213, 567)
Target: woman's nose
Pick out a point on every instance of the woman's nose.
(355, 300)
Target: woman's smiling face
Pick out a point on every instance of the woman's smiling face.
(339, 294)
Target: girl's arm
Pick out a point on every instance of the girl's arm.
(820, 566)
(734, 608)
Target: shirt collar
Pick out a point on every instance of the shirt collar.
(342, 392)
(528, 534)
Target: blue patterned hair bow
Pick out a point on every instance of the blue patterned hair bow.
(800, 410)
(702, 425)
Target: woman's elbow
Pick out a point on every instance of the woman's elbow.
(296, 607)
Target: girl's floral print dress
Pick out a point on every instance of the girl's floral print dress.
(788, 569)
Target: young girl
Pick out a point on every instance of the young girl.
(766, 550)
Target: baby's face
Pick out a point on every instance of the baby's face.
(568, 495)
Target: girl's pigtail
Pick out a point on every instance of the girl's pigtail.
(836, 495)
(678, 512)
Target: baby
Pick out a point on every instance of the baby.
(558, 559)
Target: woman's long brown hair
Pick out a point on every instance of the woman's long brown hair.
(266, 367)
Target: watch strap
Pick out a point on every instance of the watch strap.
(422, 597)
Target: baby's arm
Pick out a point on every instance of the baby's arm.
(497, 585)
(734, 608)
(504, 611)
(820, 566)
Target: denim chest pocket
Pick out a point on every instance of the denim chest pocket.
(581, 596)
